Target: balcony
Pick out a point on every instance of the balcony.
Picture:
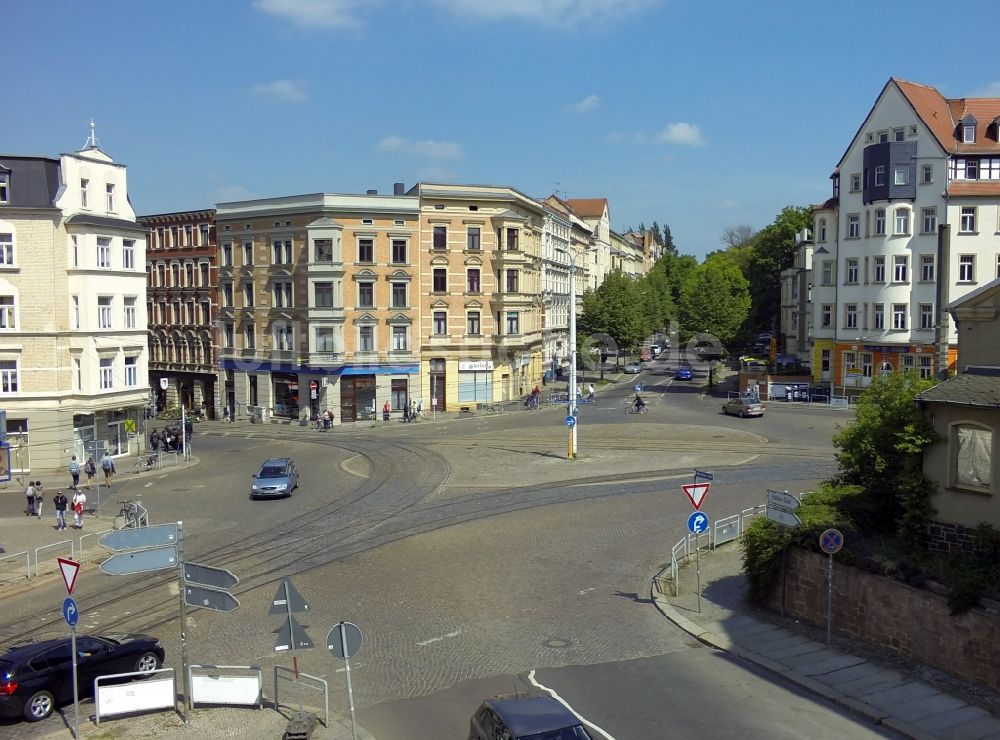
(512, 258)
(325, 359)
(515, 299)
(325, 313)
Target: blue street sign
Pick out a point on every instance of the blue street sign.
(70, 613)
(831, 541)
(698, 522)
(571, 421)
(637, 387)
(703, 475)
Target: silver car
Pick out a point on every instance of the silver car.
(743, 407)
(276, 477)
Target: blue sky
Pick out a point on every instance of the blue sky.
(702, 116)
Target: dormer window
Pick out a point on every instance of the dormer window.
(4, 188)
(968, 125)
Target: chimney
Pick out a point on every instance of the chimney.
(398, 188)
(372, 192)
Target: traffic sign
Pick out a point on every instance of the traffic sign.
(783, 500)
(782, 516)
(698, 522)
(295, 601)
(702, 475)
(140, 538)
(637, 387)
(69, 569)
(571, 421)
(284, 641)
(130, 425)
(831, 541)
(206, 575)
(696, 493)
(351, 638)
(70, 613)
(140, 561)
(209, 598)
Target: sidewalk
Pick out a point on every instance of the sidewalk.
(885, 688)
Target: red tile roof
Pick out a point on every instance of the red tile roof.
(588, 207)
(942, 116)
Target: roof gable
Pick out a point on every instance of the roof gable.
(588, 207)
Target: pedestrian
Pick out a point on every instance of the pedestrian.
(61, 502)
(74, 471)
(39, 498)
(386, 410)
(79, 499)
(327, 420)
(90, 468)
(29, 495)
(108, 466)
(225, 413)
(592, 393)
(188, 430)
(413, 411)
(420, 409)
(154, 440)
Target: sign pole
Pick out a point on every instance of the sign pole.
(291, 639)
(829, 597)
(697, 566)
(350, 689)
(184, 659)
(76, 689)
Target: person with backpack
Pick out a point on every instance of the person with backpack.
(90, 468)
(74, 471)
(108, 466)
(39, 498)
(29, 495)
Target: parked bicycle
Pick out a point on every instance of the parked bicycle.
(150, 461)
(130, 515)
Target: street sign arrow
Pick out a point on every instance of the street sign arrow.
(70, 613)
(70, 569)
(571, 421)
(140, 538)
(783, 517)
(295, 601)
(209, 598)
(696, 492)
(284, 641)
(140, 561)
(206, 575)
(784, 500)
(697, 522)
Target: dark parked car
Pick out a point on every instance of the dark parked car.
(276, 477)
(683, 373)
(37, 677)
(525, 718)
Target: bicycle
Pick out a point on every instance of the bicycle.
(129, 513)
(631, 409)
(147, 462)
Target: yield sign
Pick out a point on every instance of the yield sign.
(696, 492)
(69, 569)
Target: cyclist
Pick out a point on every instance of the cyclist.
(638, 403)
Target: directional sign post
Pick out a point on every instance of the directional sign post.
(140, 538)
(343, 641)
(72, 615)
(830, 542)
(291, 635)
(217, 599)
(781, 507)
(571, 423)
(697, 523)
(141, 561)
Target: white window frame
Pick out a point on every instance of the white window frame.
(320, 336)
(366, 338)
(851, 271)
(400, 338)
(4, 189)
(966, 268)
(855, 182)
(878, 316)
(105, 312)
(104, 252)
(827, 273)
(128, 254)
(106, 367)
(129, 312)
(370, 285)
(879, 177)
(902, 221)
(131, 372)
(926, 315)
(926, 174)
(879, 222)
(968, 133)
(967, 220)
(826, 315)
(7, 250)
(109, 190)
(8, 312)
(927, 268)
(850, 315)
(929, 220)
(439, 323)
(901, 175)
(9, 378)
(84, 193)
(899, 317)
(853, 226)
(900, 268)
(878, 263)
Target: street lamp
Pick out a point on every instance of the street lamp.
(571, 407)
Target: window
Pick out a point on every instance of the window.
(175, 274)
(883, 137)
(366, 339)
(227, 254)
(103, 252)
(282, 294)
(880, 222)
(323, 295)
(969, 133)
(855, 183)
(472, 238)
(203, 230)
(227, 295)
(899, 316)
(247, 295)
(879, 270)
(8, 377)
(879, 175)
(901, 175)
(400, 339)
(75, 250)
(929, 220)
(399, 299)
(826, 314)
(926, 366)
(473, 285)
(972, 169)
(852, 271)
(203, 269)
(284, 338)
(228, 336)
(866, 364)
(440, 284)
(249, 335)
(472, 323)
(822, 230)
(851, 315)
(247, 253)
(206, 314)
(512, 281)
(109, 190)
(440, 323)
(854, 226)
(512, 236)
(104, 312)
(850, 361)
(967, 224)
(899, 268)
(513, 322)
(926, 316)
(973, 456)
(4, 188)
(998, 266)
(898, 134)
(6, 250)
(324, 339)
(440, 237)
(174, 240)
(366, 250)
(399, 251)
(278, 250)
(76, 311)
(84, 193)
(927, 268)
(131, 372)
(878, 316)
(827, 277)
(107, 374)
(130, 315)
(966, 268)
(902, 221)
(323, 250)
(366, 295)
(189, 274)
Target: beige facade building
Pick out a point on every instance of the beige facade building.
(73, 376)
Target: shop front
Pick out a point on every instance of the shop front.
(286, 395)
(475, 381)
(114, 433)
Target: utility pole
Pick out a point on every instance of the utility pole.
(571, 407)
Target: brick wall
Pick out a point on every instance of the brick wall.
(885, 612)
(951, 538)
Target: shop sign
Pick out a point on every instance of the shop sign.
(476, 365)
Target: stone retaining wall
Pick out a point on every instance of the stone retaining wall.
(886, 612)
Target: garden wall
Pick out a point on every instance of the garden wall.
(886, 612)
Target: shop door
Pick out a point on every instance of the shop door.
(437, 377)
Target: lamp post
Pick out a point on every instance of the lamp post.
(571, 406)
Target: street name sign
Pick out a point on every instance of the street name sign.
(284, 641)
(351, 639)
(140, 538)
(782, 500)
(70, 569)
(140, 561)
(206, 575)
(702, 475)
(782, 516)
(217, 599)
(696, 493)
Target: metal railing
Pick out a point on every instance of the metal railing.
(27, 561)
(72, 551)
(313, 683)
(91, 534)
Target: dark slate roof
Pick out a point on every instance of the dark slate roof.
(977, 386)
(34, 181)
(103, 222)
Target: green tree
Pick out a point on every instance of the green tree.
(773, 250)
(668, 242)
(617, 308)
(715, 299)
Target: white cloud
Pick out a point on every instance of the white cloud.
(562, 12)
(687, 134)
(286, 91)
(586, 105)
(313, 13)
(425, 148)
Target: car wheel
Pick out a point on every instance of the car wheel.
(725, 411)
(147, 663)
(39, 706)
(742, 414)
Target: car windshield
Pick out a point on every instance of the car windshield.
(272, 471)
(567, 733)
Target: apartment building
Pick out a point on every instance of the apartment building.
(73, 357)
(595, 213)
(481, 312)
(912, 225)
(796, 312)
(319, 306)
(182, 306)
